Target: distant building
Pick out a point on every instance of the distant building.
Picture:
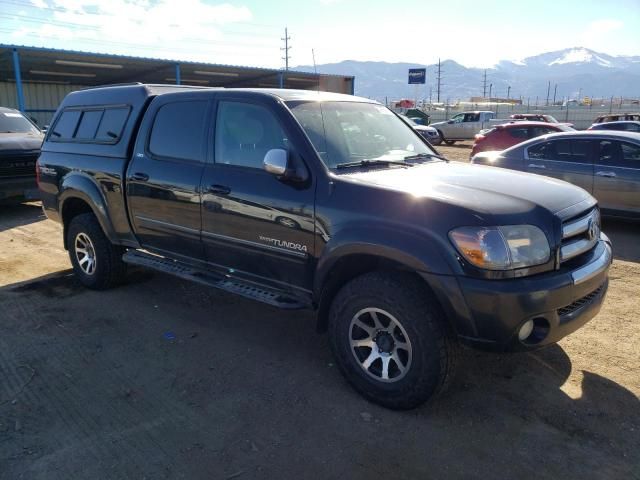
(513, 101)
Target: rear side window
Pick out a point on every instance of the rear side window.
(178, 130)
(518, 133)
(619, 154)
(65, 127)
(91, 125)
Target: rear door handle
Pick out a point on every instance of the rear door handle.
(537, 165)
(606, 174)
(140, 177)
(219, 189)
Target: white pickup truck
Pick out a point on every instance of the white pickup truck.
(465, 125)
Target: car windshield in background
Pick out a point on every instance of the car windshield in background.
(347, 132)
(13, 122)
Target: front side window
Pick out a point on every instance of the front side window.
(458, 118)
(561, 150)
(346, 132)
(14, 122)
(245, 132)
(178, 130)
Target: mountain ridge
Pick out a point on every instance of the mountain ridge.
(577, 71)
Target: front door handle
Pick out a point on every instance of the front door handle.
(606, 174)
(219, 189)
(140, 177)
(537, 165)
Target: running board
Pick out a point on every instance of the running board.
(277, 298)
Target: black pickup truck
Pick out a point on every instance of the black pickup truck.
(20, 142)
(327, 202)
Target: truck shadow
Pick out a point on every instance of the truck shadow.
(18, 214)
(625, 237)
(235, 370)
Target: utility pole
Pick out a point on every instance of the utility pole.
(508, 91)
(286, 49)
(555, 90)
(484, 84)
(548, 91)
(438, 78)
(490, 88)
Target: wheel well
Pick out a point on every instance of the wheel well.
(345, 270)
(71, 209)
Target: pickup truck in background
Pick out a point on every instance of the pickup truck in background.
(20, 142)
(313, 200)
(464, 126)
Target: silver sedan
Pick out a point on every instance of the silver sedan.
(604, 163)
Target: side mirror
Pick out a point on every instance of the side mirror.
(276, 161)
(45, 129)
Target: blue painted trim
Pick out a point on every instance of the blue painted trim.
(178, 76)
(16, 71)
(281, 79)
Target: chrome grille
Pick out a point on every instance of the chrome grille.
(579, 235)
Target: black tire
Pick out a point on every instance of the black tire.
(434, 348)
(109, 268)
(449, 142)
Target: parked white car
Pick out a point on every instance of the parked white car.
(464, 126)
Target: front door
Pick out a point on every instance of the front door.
(617, 177)
(163, 179)
(253, 223)
(568, 160)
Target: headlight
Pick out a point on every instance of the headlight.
(502, 248)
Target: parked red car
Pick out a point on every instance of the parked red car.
(509, 134)
(538, 117)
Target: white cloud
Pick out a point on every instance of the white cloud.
(597, 28)
(39, 3)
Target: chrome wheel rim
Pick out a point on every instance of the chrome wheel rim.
(85, 253)
(380, 345)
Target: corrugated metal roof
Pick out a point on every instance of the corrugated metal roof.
(163, 60)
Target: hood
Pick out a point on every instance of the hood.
(434, 124)
(15, 142)
(484, 190)
(424, 128)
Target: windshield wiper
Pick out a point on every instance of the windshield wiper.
(420, 156)
(372, 163)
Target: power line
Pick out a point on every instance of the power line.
(286, 49)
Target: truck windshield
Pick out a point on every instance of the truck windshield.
(347, 132)
(13, 122)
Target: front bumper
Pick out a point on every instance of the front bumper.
(488, 313)
(19, 188)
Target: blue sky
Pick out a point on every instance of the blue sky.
(474, 33)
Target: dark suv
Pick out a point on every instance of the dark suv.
(20, 142)
(328, 202)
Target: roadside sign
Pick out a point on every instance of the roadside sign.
(417, 76)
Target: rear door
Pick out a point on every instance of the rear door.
(566, 159)
(258, 226)
(163, 178)
(617, 177)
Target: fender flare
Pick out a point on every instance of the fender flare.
(417, 251)
(81, 186)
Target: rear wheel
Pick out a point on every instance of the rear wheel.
(390, 339)
(96, 262)
(449, 142)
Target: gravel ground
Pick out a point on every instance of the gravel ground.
(161, 378)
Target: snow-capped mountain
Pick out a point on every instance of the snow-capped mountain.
(575, 70)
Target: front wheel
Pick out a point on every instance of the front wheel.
(97, 263)
(449, 142)
(390, 339)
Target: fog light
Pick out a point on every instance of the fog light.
(525, 330)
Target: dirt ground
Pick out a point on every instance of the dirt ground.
(161, 378)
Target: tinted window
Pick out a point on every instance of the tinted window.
(632, 127)
(89, 124)
(518, 133)
(65, 127)
(562, 150)
(538, 131)
(245, 133)
(112, 124)
(178, 130)
(619, 154)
